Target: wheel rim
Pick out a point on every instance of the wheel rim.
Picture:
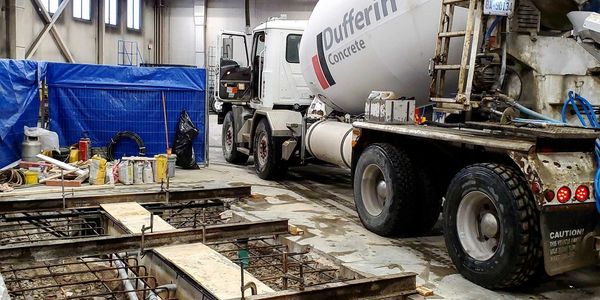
(229, 139)
(478, 226)
(374, 190)
(262, 151)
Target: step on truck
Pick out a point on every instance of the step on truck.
(487, 116)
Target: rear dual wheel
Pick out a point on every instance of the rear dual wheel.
(393, 198)
(491, 226)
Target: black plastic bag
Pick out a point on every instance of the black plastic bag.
(184, 139)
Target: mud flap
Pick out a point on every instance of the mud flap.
(568, 237)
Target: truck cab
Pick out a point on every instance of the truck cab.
(265, 75)
(263, 94)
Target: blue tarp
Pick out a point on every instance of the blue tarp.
(101, 101)
(19, 104)
(125, 78)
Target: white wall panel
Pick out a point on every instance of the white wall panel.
(230, 14)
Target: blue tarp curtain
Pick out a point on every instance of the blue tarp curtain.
(19, 104)
(99, 101)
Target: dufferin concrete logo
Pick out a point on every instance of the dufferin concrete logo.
(353, 22)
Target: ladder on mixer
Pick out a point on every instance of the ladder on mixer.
(440, 63)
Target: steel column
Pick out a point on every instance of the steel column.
(11, 28)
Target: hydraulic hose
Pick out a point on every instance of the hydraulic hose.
(588, 111)
(597, 177)
(574, 101)
(510, 101)
(125, 134)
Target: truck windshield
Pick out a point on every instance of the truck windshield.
(292, 52)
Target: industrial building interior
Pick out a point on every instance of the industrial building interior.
(299, 149)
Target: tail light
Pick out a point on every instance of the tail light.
(549, 195)
(356, 132)
(582, 193)
(563, 194)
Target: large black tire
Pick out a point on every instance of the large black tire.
(390, 199)
(429, 203)
(229, 142)
(267, 153)
(515, 255)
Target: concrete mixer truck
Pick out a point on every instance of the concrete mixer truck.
(475, 109)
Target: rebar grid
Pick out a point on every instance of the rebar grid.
(80, 278)
(190, 215)
(37, 227)
(274, 265)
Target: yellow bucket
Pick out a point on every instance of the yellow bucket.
(31, 177)
(74, 155)
(160, 168)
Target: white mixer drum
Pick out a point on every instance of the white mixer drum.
(353, 47)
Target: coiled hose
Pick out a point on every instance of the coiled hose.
(588, 111)
(12, 178)
(125, 134)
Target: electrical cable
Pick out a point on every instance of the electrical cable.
(492, 27)
(125, 134)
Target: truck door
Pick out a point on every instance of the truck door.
(235, 75)
(258, 63)
(293, 88)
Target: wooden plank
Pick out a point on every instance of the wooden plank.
(31, 164)
(424, 291)
(217, 274)
(295, 230)
(68, 183)
(133, 216)
(26, 191)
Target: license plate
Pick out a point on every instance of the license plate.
(499, 7)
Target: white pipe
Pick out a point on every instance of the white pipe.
(123, 274)
(61, 164)
(171, 287)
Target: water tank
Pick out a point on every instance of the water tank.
(353, 47)
(330, 141)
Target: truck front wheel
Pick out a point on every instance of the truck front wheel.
(384, 190)
(229, 142)
(491, 226)
(267, 153)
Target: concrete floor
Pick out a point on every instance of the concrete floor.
(319, 199)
